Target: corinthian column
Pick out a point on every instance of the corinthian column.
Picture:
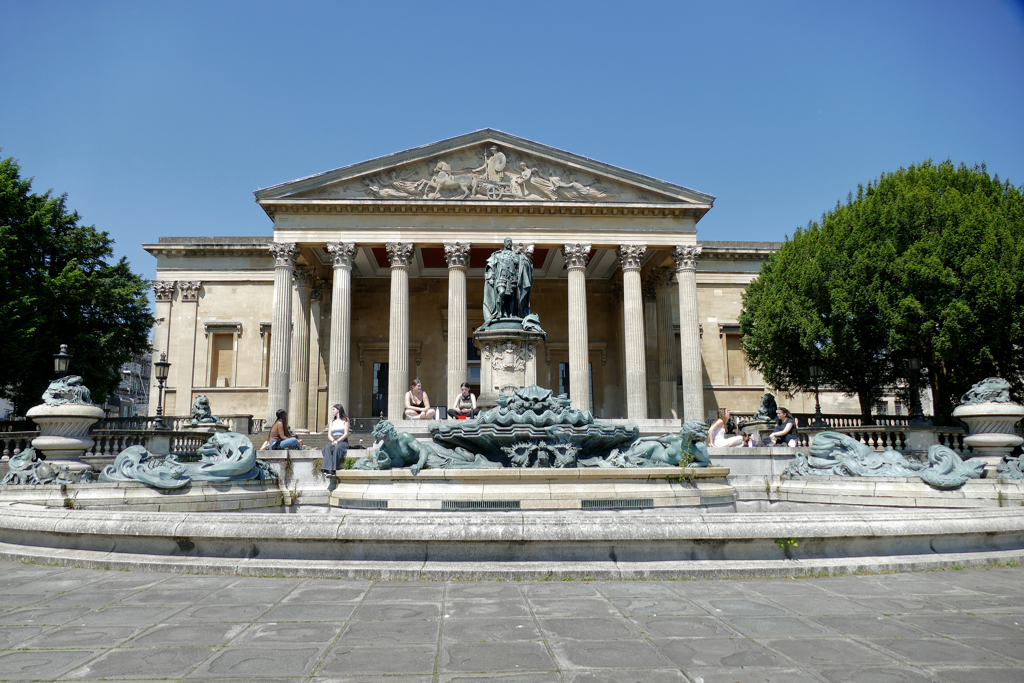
(298, 399)
(662, 279)
(280, 330)
(457, 255)
(163, 293)
(400, 255)
(689, 331)
(630, 258)
(340, 360)
(576, 258)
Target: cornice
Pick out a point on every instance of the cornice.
(210, 249)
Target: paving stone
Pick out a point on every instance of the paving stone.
(13, 635)
(371, 679)
(350, 660)
(820, 652)
(621, 676)
(767, 627)
(204, 612)
(476, 657)
(292, 632)
(929, 651)
(720, 652)
(491, 629)
(632, 589)
(1008, 647)
(217, 633)
(608, 654)
(773, 587)
(241, 596)
(388, 632)
(820, 604)
(83, 636)
(751, 675)
(990, 675)
(869, 626)
(262, 661)
(704, 589)
(577, 607)
(161, 662)
(86, 598)
(855, 586)
(331, 594)
(43, 616)
(193, 582)
(37, 664)
(988, 604)
(531, 677)
(314, 611)
(683, 627)
(388, 611)
(155, 596)
(905, 605)
(560, 589)
(912, 585)
(119, 615)
(655, 606)
(406, 593)
(23, 599)
(482, 591)
(753, 607)
(960, 625)
(879, 675)
(486, 608)
(592, 628)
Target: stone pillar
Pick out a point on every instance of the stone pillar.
(280, 330)
(576, 258)
(339, 364)
(630, 258)
(457, 254)
(689, 331)
(163, 294)
(189, 300)
(651, 349)
(666, 343)
(400, 255)
(298, 397)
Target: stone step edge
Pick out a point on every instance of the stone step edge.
(531, 571)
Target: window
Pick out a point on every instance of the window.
(379, 398)
(222, 359)
(736, 361)
(899, 407)
(265, 333)
(882, 408)
(473, 366)
(563, 381)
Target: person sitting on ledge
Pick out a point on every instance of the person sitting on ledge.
(417, 403)
(281, 438)
(337, 447)
(465, 405)
(785, 430)
(717, 436)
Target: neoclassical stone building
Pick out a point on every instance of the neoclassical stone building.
(373, 275)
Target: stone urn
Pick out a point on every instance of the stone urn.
(64, 419)
(990, 417)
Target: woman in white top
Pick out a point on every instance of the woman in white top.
(417, 403)
(716, 434)
(337, 447)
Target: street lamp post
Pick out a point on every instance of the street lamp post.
(814, 370)
(161, 368)
(916, 414)
(61, 361)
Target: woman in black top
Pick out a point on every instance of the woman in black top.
(785, 429)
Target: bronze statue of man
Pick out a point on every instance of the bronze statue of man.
(508, 280)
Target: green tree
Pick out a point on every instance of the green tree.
(925, 262)
(60, 288)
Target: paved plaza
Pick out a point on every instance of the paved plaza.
(86, 625)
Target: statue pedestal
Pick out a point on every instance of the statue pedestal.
(64, 433)
(508, 360)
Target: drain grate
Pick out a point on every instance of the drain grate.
(717, 500)
(479, 504)
(364, 504)
(618, 503)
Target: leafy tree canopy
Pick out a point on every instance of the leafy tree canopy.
(59, 288)
(925, 262)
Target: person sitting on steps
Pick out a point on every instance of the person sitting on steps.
(465, 405)
(717, 436)
(281, 438)
(337, 447)
(417, 403)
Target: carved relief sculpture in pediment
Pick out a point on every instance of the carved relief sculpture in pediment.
(498, 175)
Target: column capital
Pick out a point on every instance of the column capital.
(400, 254)
(284, 254)
(342, 253)
(631, 256)
(316, 291)
(457, 254)
(661, 278)
(163, 290)
(190, 290)
(304, 277)
(686, 256)
(576, 255)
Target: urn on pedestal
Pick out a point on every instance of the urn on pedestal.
(991, 418)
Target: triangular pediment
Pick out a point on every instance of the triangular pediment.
(485, 165)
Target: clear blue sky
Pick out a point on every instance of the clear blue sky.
(162, 118)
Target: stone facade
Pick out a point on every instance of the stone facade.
(394, 248)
